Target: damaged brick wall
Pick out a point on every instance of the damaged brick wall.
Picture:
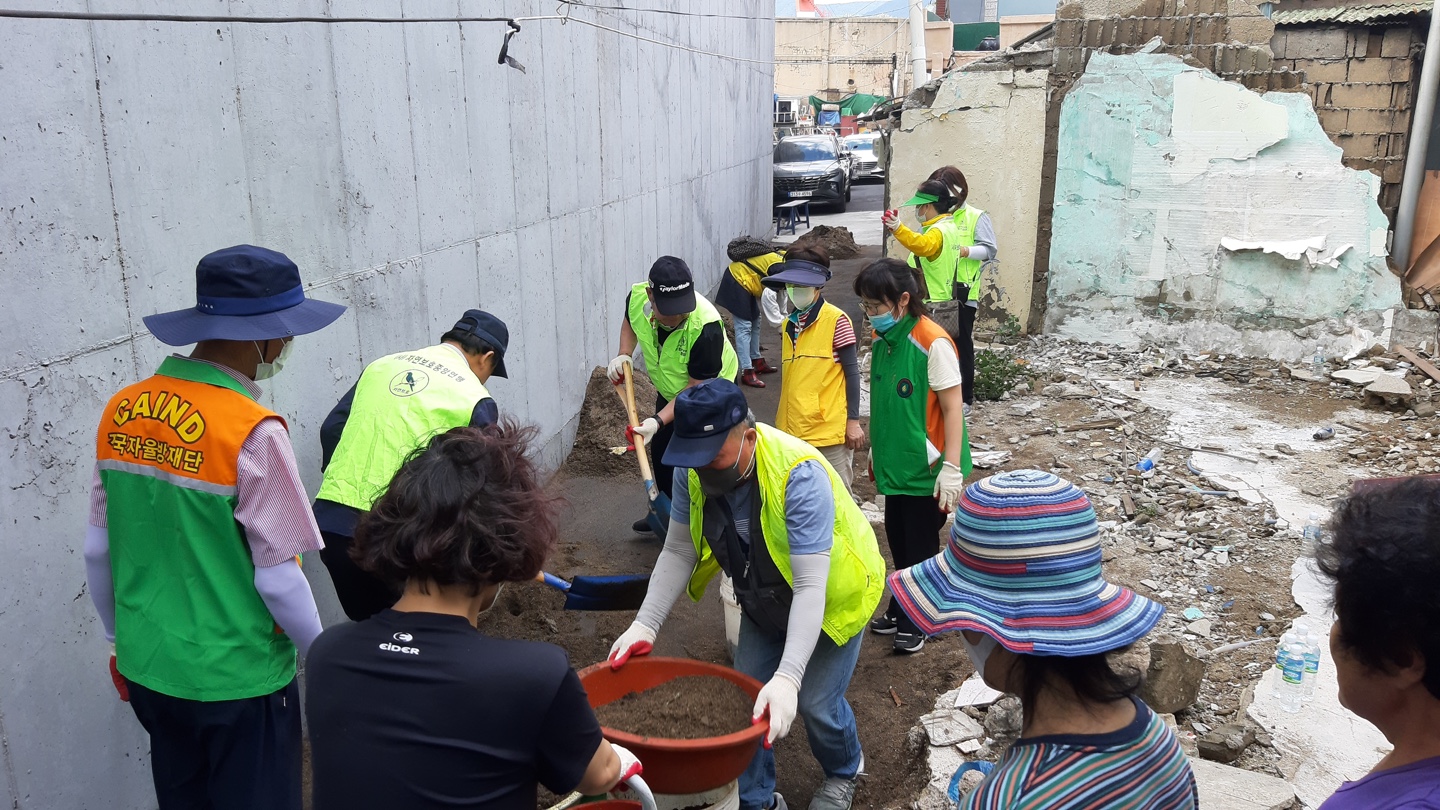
(1361, 81)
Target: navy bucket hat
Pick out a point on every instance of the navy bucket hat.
(244, 293)
(797, 272)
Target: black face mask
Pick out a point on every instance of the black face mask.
(715, 483)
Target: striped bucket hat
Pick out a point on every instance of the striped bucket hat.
(1023, 566)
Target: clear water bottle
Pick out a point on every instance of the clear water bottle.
(1318, 363)
(1285, 640)
(1311, 642)
(1147, 463)
(1312, 534)
(1292, 676)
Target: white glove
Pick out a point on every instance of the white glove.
(629, 765)
(616, 369)
(647, 429)
(780, 699)
(638, 640)
(949, 485)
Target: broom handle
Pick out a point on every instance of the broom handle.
(640, 453)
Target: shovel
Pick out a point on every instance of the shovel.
(659, 515)
(625, 592)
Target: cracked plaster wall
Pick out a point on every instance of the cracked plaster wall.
(409, 176)
(991, 124)
(1157, 163)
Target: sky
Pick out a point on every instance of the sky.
(900, 8)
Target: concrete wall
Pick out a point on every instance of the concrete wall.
(1193, 212)
(1018, 26)
(410, 177)
(989, 121)
(852, 54)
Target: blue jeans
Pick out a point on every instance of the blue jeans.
(829, 721)
(747, 341)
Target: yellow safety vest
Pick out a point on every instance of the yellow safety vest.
(857, 571)
(812, 387)
(967, 270)
(670, 370)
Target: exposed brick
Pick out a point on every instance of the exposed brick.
(1374, 45)
(1176, 31)
(1316, 43)
(1071, 11)
(1277, 44)
(1207, 30)
(1394, 171)
(1127, 31)
(1226, 59)
(1361, 146)
(1290, 80)
(1251, 30)
(1372, 121)
(1369, 71)
(1241, 8)
(1070, 60)
(1400, 95)
(1092, 33)
(1396, 145)
(1333, 121)
(1322, 71)
(1068, 33)
(1151, 8)
(1400, 69)
(1206, 57)
(1108, 29)
(1259, 82)
(1361, 96)
(1169, 9)
(1150, 28)
(1263, 60)
(1397, 41)
(1359, 42)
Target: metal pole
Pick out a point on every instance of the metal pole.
(1420, 124)
(917, 45)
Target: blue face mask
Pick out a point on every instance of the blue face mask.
(882, 322)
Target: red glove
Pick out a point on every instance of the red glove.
(121, 686)
(629, 437)
(629, 765)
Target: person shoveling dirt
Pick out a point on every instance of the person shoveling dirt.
(602, 426)
(838, 242)
(687, 708)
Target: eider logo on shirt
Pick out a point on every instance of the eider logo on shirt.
(904, 388)
(404, 638)
(388, 647)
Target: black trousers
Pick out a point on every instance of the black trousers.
(965, 345)
(664, 475)
(223, 755)
(361, 593)
(912, 528)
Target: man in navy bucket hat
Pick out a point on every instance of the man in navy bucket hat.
(197, 523)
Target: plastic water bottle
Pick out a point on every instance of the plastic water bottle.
(1286, 639)
(1147, 463)
(1312, 534)
(1318, 364)
(1312, 664)
(1292, 676)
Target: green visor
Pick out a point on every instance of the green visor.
(921, 199)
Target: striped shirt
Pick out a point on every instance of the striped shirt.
(1139, 767)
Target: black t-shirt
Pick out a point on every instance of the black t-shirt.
(707, 356)
(421, 710)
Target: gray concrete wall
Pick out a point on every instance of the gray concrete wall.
(407, 173)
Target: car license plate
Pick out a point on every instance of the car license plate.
(802, 194)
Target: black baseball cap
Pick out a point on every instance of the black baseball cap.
(673, 286)
(704, 415)
(490, 329)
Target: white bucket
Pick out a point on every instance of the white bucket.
(725, 797)
(732, 615)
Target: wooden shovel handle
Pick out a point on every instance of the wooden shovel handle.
(640, 452)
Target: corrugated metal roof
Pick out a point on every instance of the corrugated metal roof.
(1367, 12)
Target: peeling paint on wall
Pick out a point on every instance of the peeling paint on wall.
(1158, 163)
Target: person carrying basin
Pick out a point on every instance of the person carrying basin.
(768, 510)
(820, 391)
(416, 708)
(740, 288)
(399, 402)
(683, 342)
(1020, 580)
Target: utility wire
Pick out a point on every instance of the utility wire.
(582, 4)
(206, 18)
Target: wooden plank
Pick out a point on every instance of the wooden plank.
(1419, 362)
(1128, 504)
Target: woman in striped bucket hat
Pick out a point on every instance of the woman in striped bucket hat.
(1020, 579)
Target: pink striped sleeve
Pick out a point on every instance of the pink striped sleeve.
(844, 333)
(271, 501)
(98, 501)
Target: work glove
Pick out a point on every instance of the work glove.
(645, 431)
(616, 369)
(948, 486)
(780, 699)
(890, 219)
(629, 765)
(638, 640)
(121, 687)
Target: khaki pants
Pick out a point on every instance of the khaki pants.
(841, 458)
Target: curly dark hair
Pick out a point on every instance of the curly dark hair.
(468, 508)
(1385, 561)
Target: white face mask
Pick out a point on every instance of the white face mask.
(980, 653)
(264, 370)
(801, 297)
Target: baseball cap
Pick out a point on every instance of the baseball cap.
(704, 415)
(673, 286)
(490, 329)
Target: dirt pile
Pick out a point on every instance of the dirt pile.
(687, 708)
(602, 426)
(839, 242)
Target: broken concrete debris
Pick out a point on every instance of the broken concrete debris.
(1173, 681)
(1223, 787)
(950, 726)
(1226, 743)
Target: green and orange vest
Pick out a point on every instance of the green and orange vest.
(905, 417)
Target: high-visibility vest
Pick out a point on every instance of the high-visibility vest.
(967, 270)
(669, 369)
(857, 571)
(401, 401)
(812, 387)
(188, 620)
(940, 272)
(904, 412)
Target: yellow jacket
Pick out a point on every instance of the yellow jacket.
(746, 276)
(927, 243)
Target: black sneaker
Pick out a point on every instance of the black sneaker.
(884, 626)
(642, 526)
(909, 642)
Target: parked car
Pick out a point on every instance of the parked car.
(812, 167)
(862, 151)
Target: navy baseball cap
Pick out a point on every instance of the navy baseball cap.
(673, 286)
(704, 415)
(244, 293)
(490, 329)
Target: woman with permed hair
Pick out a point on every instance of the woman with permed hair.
(415, 707)
(1384, 559)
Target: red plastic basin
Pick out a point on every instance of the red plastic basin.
(676, 766)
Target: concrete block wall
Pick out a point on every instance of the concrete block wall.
(1361, 80)
(408, 175)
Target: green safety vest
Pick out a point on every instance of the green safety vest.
(670, 370)
(967, 270)
(940, 272)
(188, 620)
(401, 401)
(857, 571)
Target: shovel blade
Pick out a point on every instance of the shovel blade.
(625, 592)
(659, 515)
